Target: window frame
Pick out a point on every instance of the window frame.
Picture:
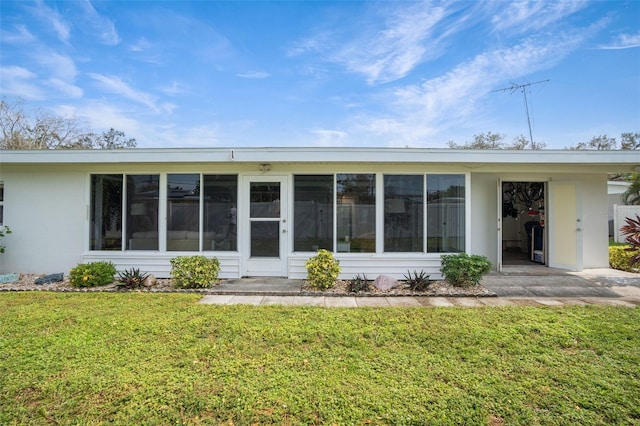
(161, 205)
(422, 218)
(330, 228)
(1, 203)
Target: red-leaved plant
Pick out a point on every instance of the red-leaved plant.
(632, 231)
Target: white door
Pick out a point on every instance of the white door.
(565, 226)
(265, 244)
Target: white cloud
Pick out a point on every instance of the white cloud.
(524, 16)
(256, 75)
(393, 52)
(623, 41)
(408, 34)
(21, 36)
(102, 116)
(117, 86)
(317, 43)
(50, 15)
(140, 45)
(325, 137)
(445, 103)
(67, 89)
(174, 89)
(19, 81)
(146, 52)
(105, 28)
(61, 66)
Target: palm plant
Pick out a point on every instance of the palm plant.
(632, 195)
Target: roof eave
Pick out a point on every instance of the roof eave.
(320, 155)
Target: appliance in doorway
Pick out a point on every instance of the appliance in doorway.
(523, 223)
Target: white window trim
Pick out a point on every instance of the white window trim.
(2, 203)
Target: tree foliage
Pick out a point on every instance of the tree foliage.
(628, 141)
(491, 140)
(42, 130)
(632, 195)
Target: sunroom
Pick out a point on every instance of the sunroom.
(269, 224)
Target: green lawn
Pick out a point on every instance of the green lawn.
(138, 358)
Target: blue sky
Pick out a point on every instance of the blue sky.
(315, 73)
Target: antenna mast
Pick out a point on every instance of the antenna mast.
(523, 87)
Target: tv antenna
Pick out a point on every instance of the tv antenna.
(523, 88)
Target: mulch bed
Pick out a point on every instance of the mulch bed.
(26, 282)
(435, 288)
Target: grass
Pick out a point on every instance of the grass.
(612, 243)
(137, 358)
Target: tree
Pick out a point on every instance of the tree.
(599, 143)
(630, 141)
(114, 139)
(42, 130)
(496, 141)
(111, 139)
(632, 195)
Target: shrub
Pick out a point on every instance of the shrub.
(417, 282)
(620, 258)
(463, 270)
(359, 284)
(322, 270)
(632, 231)
(194, 271)
(131, 278)
(92, 274)
(4, 230)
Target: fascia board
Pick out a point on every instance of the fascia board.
(321, 155)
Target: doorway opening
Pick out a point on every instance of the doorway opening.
(264, 226)
(524, 235)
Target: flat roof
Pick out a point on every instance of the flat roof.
(322, 155)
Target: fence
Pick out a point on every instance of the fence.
(620, 212)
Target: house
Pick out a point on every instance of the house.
(265, 211)
(618, 211)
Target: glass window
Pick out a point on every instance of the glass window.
(356, 213)
(313, 212)
(264, 200)
(142, 212)
(403, 213)
(106, 212)
(445, 213)
(220, 212)
(183, 212)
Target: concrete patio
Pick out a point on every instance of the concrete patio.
(513, 287)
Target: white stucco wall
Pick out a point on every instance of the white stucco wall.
(484, 225)
(45, 209)
(595, 219)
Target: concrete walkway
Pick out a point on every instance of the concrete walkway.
(405, 302)
(544, 287)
